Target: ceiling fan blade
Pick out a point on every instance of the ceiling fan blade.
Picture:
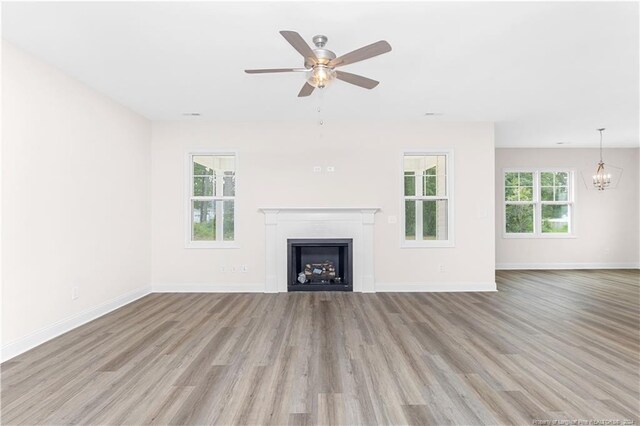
(300, 45)
(375, 49)
(268, 70)
(306, 90)
(356, 79)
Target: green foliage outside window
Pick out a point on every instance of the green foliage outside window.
(204, 224)
(429, 210)
(409, 184)
(518, 186)
(519, 218)
(555, 218)
(410, 219)
(204, 231)
(429, 220)
(228, 225)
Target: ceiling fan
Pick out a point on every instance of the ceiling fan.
(320, 63)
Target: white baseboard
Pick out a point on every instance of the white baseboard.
(507, 266)
(209, 288)
(458, 286)
(38, 337)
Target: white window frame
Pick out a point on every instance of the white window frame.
(537, 203)
(189, 243)
(450, 241)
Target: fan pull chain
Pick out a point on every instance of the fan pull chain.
(320, 115)
(320, 107)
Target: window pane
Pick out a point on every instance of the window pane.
(561, 178)
(205, 165)
(410, 219)
(409, 184)
(228, 225)
(203, 224)
(432, 172)
(518, 186)
(229, 184)
(546, 193)
(429, 186)
(546, 179)
(511, 179)
(203, 186)
(562, 193)
(511, 193)
(202, 165)
(519, 218)
(526, 179)
(434, 220)
(526, 193)
(555, 218)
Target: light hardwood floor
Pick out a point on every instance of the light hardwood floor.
(550, 345)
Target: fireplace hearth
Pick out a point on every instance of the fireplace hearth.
(319, 264)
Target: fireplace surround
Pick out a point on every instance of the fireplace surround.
(284, 223)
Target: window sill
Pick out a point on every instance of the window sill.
(212, 245)
(426, 244)
(539, 236)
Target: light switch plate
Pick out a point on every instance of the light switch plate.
(331, 169)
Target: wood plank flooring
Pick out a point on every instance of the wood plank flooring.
(550, 345)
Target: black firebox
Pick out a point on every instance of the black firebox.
(320, 264)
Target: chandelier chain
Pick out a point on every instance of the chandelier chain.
(601, 130)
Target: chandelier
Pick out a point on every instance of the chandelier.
(601, 179)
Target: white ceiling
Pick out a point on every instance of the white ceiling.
(545, 72)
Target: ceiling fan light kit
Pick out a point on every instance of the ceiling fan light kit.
(320, 63)
(320, 76)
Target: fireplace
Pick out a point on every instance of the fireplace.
(284, 223)
(319, 264)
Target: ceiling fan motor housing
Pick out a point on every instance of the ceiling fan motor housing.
(323, 55)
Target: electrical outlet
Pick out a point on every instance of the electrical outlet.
(392, 219)
(223, 269)
(317, 169)
(74, 293)
(441, 268)
(244, 268)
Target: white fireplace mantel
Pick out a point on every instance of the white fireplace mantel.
(283, 223)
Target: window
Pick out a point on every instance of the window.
(211, 206)
(538, 203)
(427, 201)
